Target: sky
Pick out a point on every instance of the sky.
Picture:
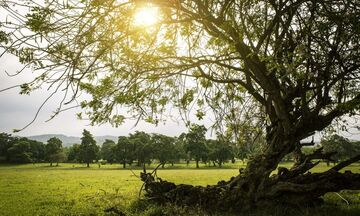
(17, 110)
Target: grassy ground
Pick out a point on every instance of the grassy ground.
(73, 189)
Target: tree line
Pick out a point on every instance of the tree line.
(137, 149)
(141, 148)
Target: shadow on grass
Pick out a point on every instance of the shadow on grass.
(143, 207)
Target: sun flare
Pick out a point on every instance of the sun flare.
(146, 16)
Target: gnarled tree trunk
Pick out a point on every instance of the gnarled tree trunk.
(254, 186)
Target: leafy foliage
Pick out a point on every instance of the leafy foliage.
(164, 148)
(272, 67)
(142, 147)
(5, 143)
(54, 151)
(125, 151)
(20, 152)
(73, 153)
(107, 151)
(194, 143)
(88, 149)
(342, 146)
(219, 151)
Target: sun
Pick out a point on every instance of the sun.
(146, 16)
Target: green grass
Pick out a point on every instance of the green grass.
(73, 189)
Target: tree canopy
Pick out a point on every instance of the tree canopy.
(342, 147)
(54, 151)
(88, 149)
(107, 151)
(194, 143)
(288, 68)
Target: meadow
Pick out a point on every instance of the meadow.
(73, 189)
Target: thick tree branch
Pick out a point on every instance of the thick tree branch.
(346, 163)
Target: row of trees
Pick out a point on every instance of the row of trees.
(24, 150)
(142, 148)
(139, 148)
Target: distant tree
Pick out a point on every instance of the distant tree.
(54, 151)
(73, 153)
(88, 148)
(195, 142)
(241, 152)
(142, 145)
(107, 151)
(180, 152)
(163, 148)
(307, 150)
(20, 152)
(219, 151)
(182, 144)
(27, 151)
(38, 150)
(344, 148)
(6, 140)
(124, 151)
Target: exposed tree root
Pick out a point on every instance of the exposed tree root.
(290, 188)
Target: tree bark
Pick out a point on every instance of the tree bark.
(254, 186)
(305, 189)
(87, 164)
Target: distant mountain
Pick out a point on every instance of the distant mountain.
(70, 140)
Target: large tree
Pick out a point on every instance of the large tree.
(54, 151)
(38, 150)
(124, 151)
(6, 141)
(163, 148)
(194, 143)
(294, 62)
(20, 152)
(141, 144)
(73, 154)
(220, 151)
(88, 149)
(107, 151)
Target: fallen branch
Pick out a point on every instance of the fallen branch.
(147, 177)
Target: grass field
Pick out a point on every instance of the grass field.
(73, 189)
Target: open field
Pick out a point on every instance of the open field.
(73, 189)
